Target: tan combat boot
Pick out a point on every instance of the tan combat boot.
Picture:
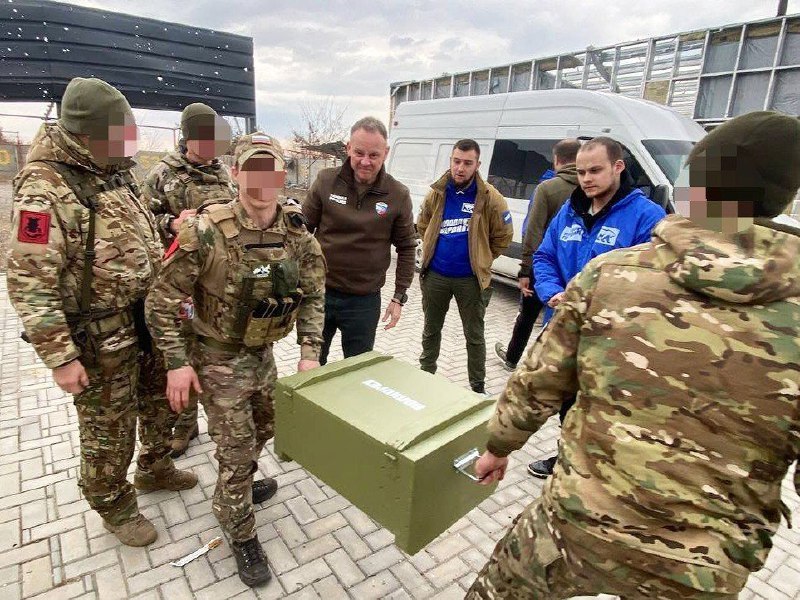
(163, 477)
(137, 531)
(181, 439)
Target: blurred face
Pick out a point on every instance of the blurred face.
(260, 181)
(367, 151)
(710, 210)
(463, 166)
(597, 175)
(114, 144)
(207, 150)
(210, 141)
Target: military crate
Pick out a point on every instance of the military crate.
(390, 438)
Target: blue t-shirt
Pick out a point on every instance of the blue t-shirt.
(451, 257)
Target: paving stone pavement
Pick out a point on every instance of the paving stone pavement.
(53, 547)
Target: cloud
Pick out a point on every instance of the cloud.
(352, 50)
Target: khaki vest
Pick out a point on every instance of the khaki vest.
(237, 293)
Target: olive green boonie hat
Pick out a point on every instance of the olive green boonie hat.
(258, 143)
(90, 105)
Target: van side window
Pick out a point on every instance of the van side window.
(517, 166)
(412, 162)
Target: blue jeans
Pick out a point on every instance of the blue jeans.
(355, 316)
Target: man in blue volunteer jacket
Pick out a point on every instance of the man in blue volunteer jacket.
(604, 213)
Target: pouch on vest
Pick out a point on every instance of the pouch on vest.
(255, 285)
(272, 320)
(285, 277)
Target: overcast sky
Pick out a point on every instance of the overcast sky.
(307, 51)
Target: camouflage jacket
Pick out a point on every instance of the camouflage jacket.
(175, 184)
(206, 264)
(45, 270)
(685, 356)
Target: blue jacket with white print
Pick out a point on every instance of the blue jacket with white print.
(574, 237)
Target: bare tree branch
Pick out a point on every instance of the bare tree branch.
(238, 128)
(320, 123)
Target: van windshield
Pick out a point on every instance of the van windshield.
(669, 155)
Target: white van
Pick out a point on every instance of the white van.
(517, 131)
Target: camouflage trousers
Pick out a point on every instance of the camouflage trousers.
(156, 418)
(527, 564)
(187, 420)
(107, 411)
(237, 398)
(155, 386)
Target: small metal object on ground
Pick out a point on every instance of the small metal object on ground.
(197, 553)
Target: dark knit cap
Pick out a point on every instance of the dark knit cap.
(754, 159)
(89, 106)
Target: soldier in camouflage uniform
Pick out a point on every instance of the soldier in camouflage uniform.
(684, 355)
(253, 270)
(174, 189)
(83, 256)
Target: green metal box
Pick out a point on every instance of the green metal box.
(385, 435)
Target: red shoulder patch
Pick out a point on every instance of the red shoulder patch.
(172, 249)
(34, 227)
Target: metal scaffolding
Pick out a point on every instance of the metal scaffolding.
(709, 75)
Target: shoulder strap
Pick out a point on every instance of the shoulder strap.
(183, 175)
(212, 201)
(223, 217)
(293, 216)
(85, 191)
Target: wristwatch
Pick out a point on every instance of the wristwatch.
(401, 299)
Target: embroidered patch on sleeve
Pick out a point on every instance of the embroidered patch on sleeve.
(507, 217)
(34, 227)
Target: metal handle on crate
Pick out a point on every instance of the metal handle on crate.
(468, 459)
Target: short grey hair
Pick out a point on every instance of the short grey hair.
(370, 125)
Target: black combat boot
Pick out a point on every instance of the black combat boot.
(251, 562)
(264, 489)
(542, 468)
